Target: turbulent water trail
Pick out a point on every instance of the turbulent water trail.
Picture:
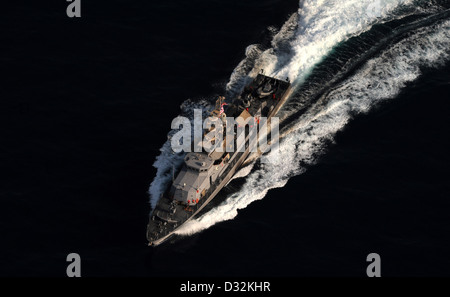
(311, 34)
(303, 42)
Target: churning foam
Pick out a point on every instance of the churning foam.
(381, 78)
(320, 26)
(305, 39)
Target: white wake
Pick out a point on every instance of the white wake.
(380, 79)
(303, 42)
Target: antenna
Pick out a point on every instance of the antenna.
(173, 173)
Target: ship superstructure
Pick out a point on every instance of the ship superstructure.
(203, 174)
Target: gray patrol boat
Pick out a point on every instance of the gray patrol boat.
(204, 174)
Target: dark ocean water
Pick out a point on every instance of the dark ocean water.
(86, 105)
